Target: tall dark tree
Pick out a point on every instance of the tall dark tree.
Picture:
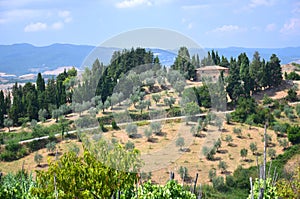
(51, 92)
(183, 63)
(247, 82)
(7, 101)
(234, 87)
(122, 63)
(274, 68)
(17, 108)
(40, 83)
(2, 108)
(224, 62)
(255, 71)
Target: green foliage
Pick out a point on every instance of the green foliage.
(38, 158)
(244, 152)
(8, 123)
(298, 109)
(156, 127)
(169, 191)
(131, 130)
(222, 166)
(237, 131)
(253, 147)
(228, 118)
(292, 95)
(13, 151)
(156, 97)
(180, 142)
(277, 113)
(51, 146)
(270, 190)
(267, 100)
(17, 186)
(190, 109)
(228, 139)
(294, 134)
(121, 63)
(183, 63)
(169, 101)
(245, 107)
(82, 177)
(209, 152)
(219, 184)
(129, 145)
(212, 174)
(289, 188)
(293, 76)
(73, 148)
(218, 144)
(283, 143)
(271, 153)
(114, 125)
(183, 173)
(148, 133)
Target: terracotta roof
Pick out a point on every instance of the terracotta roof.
(215, 67)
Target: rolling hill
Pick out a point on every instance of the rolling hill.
(20, 59)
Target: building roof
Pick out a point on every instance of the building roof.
(215, 67)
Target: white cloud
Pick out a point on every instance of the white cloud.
(133, 3)
(66, 15)
(57, 25)
(291, 27)
(270, 27)
(227, 28)
(33, 27)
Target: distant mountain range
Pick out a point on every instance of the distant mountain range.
(20, 59)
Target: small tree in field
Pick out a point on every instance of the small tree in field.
(8, 123)
(180, 142)
(129, 145)
(38, 158)
(51, 146)
(228, 118)
(222, 166)
(169, 101)
(284, 143)
(228, 139)
(272, 153)
(212, 174)
(148, 134)
(156, 127)
(218, 144)
(244, 153)
(219, 123)
(253, 147)
(237, 131)
(42, 115)
(131, 130)
(156, 98)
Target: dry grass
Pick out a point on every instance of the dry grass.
(28, 162)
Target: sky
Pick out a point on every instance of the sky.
(210, 23)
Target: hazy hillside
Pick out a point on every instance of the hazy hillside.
(20, 59)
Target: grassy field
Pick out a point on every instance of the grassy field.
(162, 155)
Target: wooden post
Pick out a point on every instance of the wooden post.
(195, 183)
(251, 185)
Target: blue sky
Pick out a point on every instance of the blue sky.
(222, 23)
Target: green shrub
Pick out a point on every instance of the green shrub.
(114, 125)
